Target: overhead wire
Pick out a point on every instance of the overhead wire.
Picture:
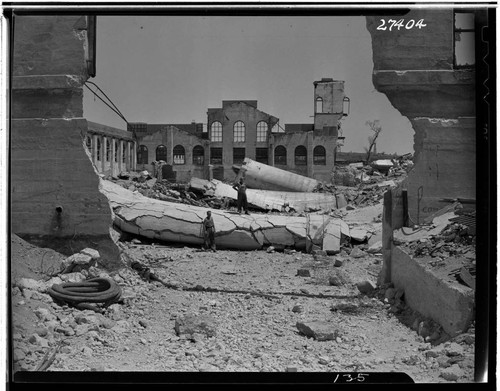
(114, 108)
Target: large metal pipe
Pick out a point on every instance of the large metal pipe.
(264, 177)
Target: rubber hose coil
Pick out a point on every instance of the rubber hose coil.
(95, 290)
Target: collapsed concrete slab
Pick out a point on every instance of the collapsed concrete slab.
(180, 223)
(268, 199)
(261, 176)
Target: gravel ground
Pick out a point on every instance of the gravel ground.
(255, 331)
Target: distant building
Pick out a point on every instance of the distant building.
(239, 129)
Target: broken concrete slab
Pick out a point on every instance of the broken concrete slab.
(332, 236)
(261, 176)
(407, 234)
(268, 199)
(180, 223)
(319, 330)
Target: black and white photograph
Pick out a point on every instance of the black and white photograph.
(250, 193)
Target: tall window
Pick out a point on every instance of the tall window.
(142, 155)
(216, 132)
(115, 143)
(124, 151)
(319, 155)
(238, 155)
(215, 155)
(198, 156)
(108, 148)
(161, 153)
(262, 131)
(261, 155)
(179, 155)
(99, 148)
(88, 142)
(280, 155)
(301, 156)
(239, 132)
(464, 40)
(319, 105)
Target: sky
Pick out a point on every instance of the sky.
(171, 69)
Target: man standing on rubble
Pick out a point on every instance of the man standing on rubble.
(209, 232)
(241, 188)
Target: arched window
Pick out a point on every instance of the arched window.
(98, 148)
(262, 131)
(216, 132)
(142, 155)
(179, 155)
(198, 156)
(239, 132)
(301, 156)
(280, 155)
(319, 105)
(161, 153)
(319, 155)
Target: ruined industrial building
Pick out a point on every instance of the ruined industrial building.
(341, 264)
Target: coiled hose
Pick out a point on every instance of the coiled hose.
(95, 290)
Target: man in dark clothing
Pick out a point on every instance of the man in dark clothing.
(241, 188)
(209, 232)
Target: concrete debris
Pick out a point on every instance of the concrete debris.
(80, 261)
(453, 373)
(190, 324)
(281, 201)
(319, 330)
(359, 234)
(375, 248)
(356, 252)
(365, 287)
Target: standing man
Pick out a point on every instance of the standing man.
(241, 188)
(209, 232)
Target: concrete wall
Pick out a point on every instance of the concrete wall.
(55, 198)
(446, 302)
(415, 69)
(170, 137)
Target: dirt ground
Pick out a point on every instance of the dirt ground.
(255, 327)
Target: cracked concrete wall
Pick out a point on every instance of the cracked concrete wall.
(55, 199)
(170, 136)
(180, 223)
(415, 69)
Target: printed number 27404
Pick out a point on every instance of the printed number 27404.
(400, 24)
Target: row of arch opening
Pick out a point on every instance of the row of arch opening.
(198, 155)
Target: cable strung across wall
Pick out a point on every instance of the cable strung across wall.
(114, 108)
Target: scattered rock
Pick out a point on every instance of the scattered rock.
(35, 339)
(270, 249)
(144, 323)
(452, 373)
(375, 248)
(365, 286)
(303, 273)
(18, 355)
(44, 314)
(345, 306)
(323, 360)
(319, 330)
(389, 293)
(297, 308)
(77, 261)
(338, 262)
(34, 285)
(453, 349)
(190, 324)
(443, 361)
(87, 351)
(356, 252)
